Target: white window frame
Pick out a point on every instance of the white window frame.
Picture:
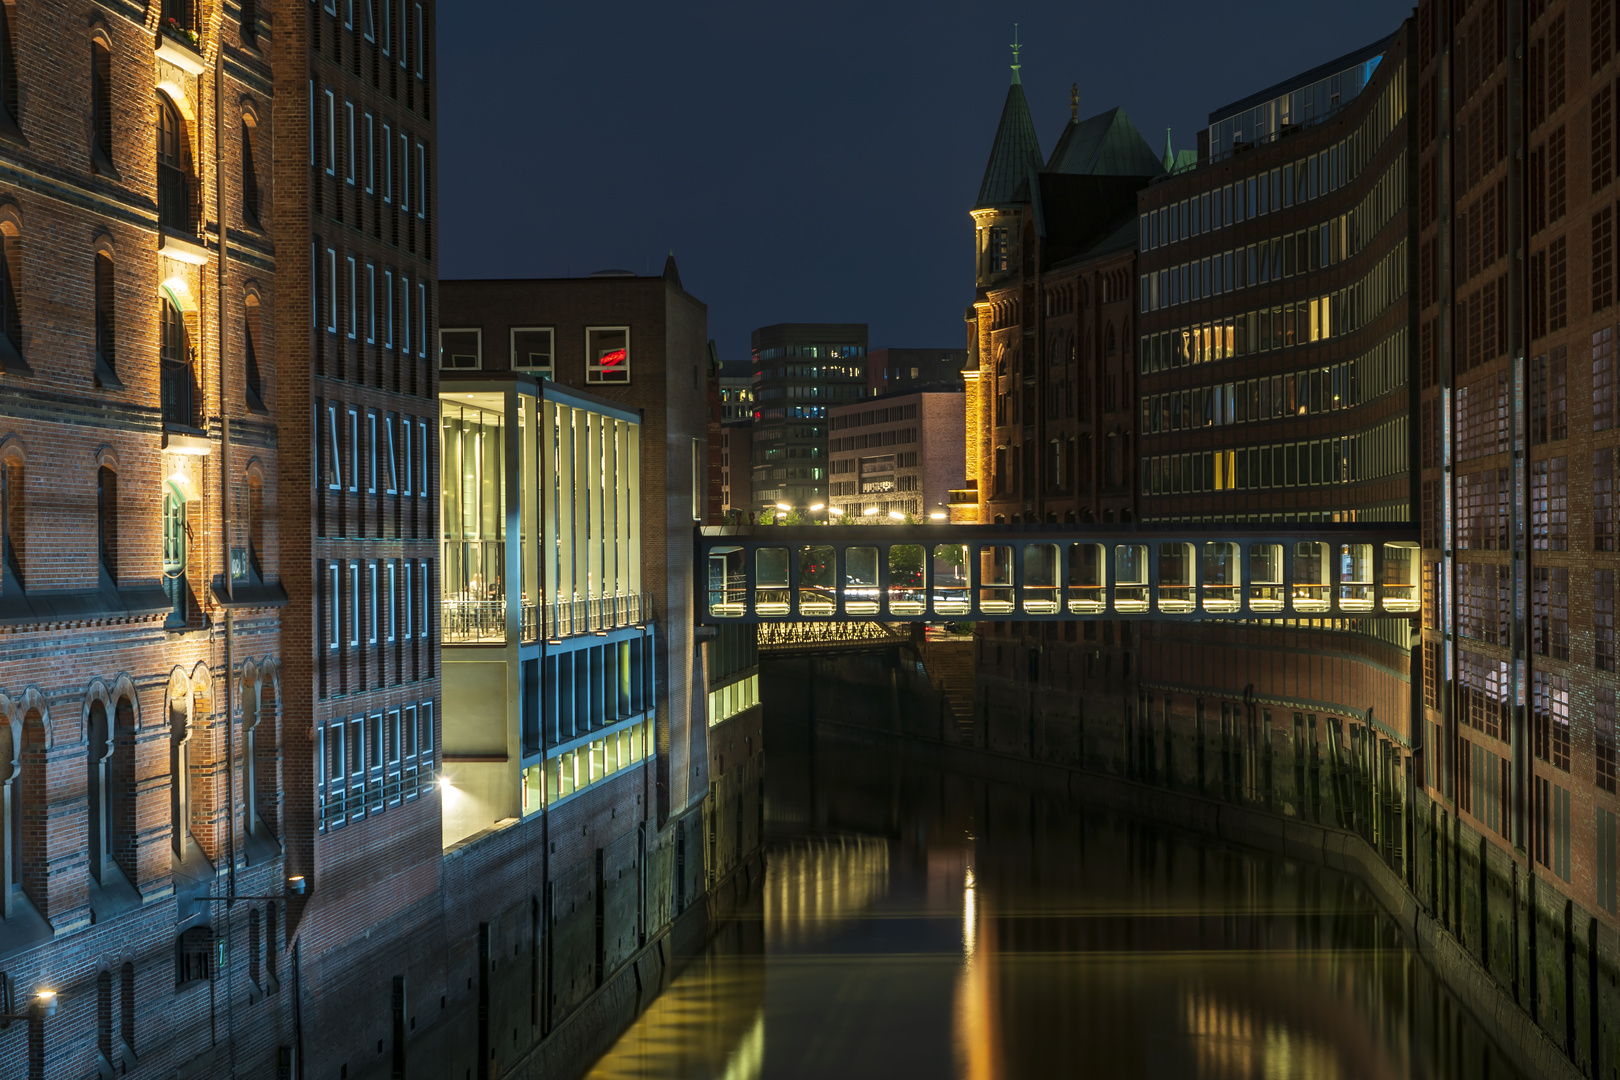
(371, 154)
(629, 358)
(312, 124)
(392, 601)
(331, 134)
(331, 291)
(388, 163)
(353, 298)
(404, 172)
(409, 605)
(421, 319)
(421, 45)
(425, 742)
(478, 354)
(334, 591)
(393, 468)
(354, 449)
(349, 106)
(388, 291)
(405, 311)
(334, 449)
(348, 14)
(371, 305)
(371, 615)
(354, 603)
(371, 450)
(371, 27)
(383, 34)
(421, 181)
(422, 457)
(551, 334)
(405, 460)
(422, 595)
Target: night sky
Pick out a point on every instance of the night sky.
(807, 162)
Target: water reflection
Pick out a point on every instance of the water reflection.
(915, 923)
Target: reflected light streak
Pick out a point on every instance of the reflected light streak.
(812, 883)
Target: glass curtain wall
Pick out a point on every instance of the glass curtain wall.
(471, 508)
(592, 518)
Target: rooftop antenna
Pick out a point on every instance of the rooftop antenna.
(1015, 47)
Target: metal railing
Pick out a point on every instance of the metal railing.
(777, 637)
(468, 621)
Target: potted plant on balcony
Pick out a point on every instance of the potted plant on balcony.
(186, 35)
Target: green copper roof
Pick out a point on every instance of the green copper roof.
(1015, 154)
(1107, 144)
(1185, 160)
(1169, 153)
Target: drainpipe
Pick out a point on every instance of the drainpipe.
(225, 527)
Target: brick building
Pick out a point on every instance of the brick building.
(1051, 391)
(1383, 290)
(891, 370)
(167, 664)
(898, 454)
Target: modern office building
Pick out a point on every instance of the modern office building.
(896, 454)
(736, 392)
(891, 371)
(801, 370)
(1275, 338)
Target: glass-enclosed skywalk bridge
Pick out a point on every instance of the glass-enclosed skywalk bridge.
(940, 572)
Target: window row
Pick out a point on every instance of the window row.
(1301, 252)
(1302, 393)
(1350, 459)
(572, 771)
(875, 416)
(1231, 204)
(373, 601)
(1241, 334)
(607, 351)
(356, 298)
(364, 445)
(364, 150)
(877, 438)
(398, 27)
(374, 762)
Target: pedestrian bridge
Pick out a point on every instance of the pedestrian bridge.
(941, 572)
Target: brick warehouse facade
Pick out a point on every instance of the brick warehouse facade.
(212, 683)
(1383, 290)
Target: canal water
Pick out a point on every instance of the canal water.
(916, 923)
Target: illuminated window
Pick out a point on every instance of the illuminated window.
(607, 354)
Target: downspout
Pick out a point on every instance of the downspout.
(225, 532)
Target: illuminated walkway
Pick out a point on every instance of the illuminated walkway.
(931, 573)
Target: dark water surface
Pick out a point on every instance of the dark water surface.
(916, 923)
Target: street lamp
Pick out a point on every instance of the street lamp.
(897, 515)
(869, 511)
(295, 887)
(42, 1007)
(839, 510)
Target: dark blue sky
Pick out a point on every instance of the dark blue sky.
(807, 162)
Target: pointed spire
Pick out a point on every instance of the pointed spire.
(1015, 47)
(1074, 103)
(670, 271)
(1169, 154)
(1015, 154)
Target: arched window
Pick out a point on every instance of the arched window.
(13, 525)
(11, 336)
(96, 787)
(179, 767)
(104, 1018)
(120, 772)
(10, 819)
(250, 174)
(107, 522)
(174, 555)
(254, 947)
(101, 108)
(8, 71)
(175, 364)
(106, 325)
(255, 525)
(126, 1005)
(174, 189)
(252, 326)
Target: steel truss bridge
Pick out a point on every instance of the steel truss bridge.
(978, 573)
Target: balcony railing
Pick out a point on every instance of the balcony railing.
(471, 621)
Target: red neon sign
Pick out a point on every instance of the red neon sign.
(613, 358)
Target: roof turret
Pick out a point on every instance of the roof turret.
(1016, 153)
